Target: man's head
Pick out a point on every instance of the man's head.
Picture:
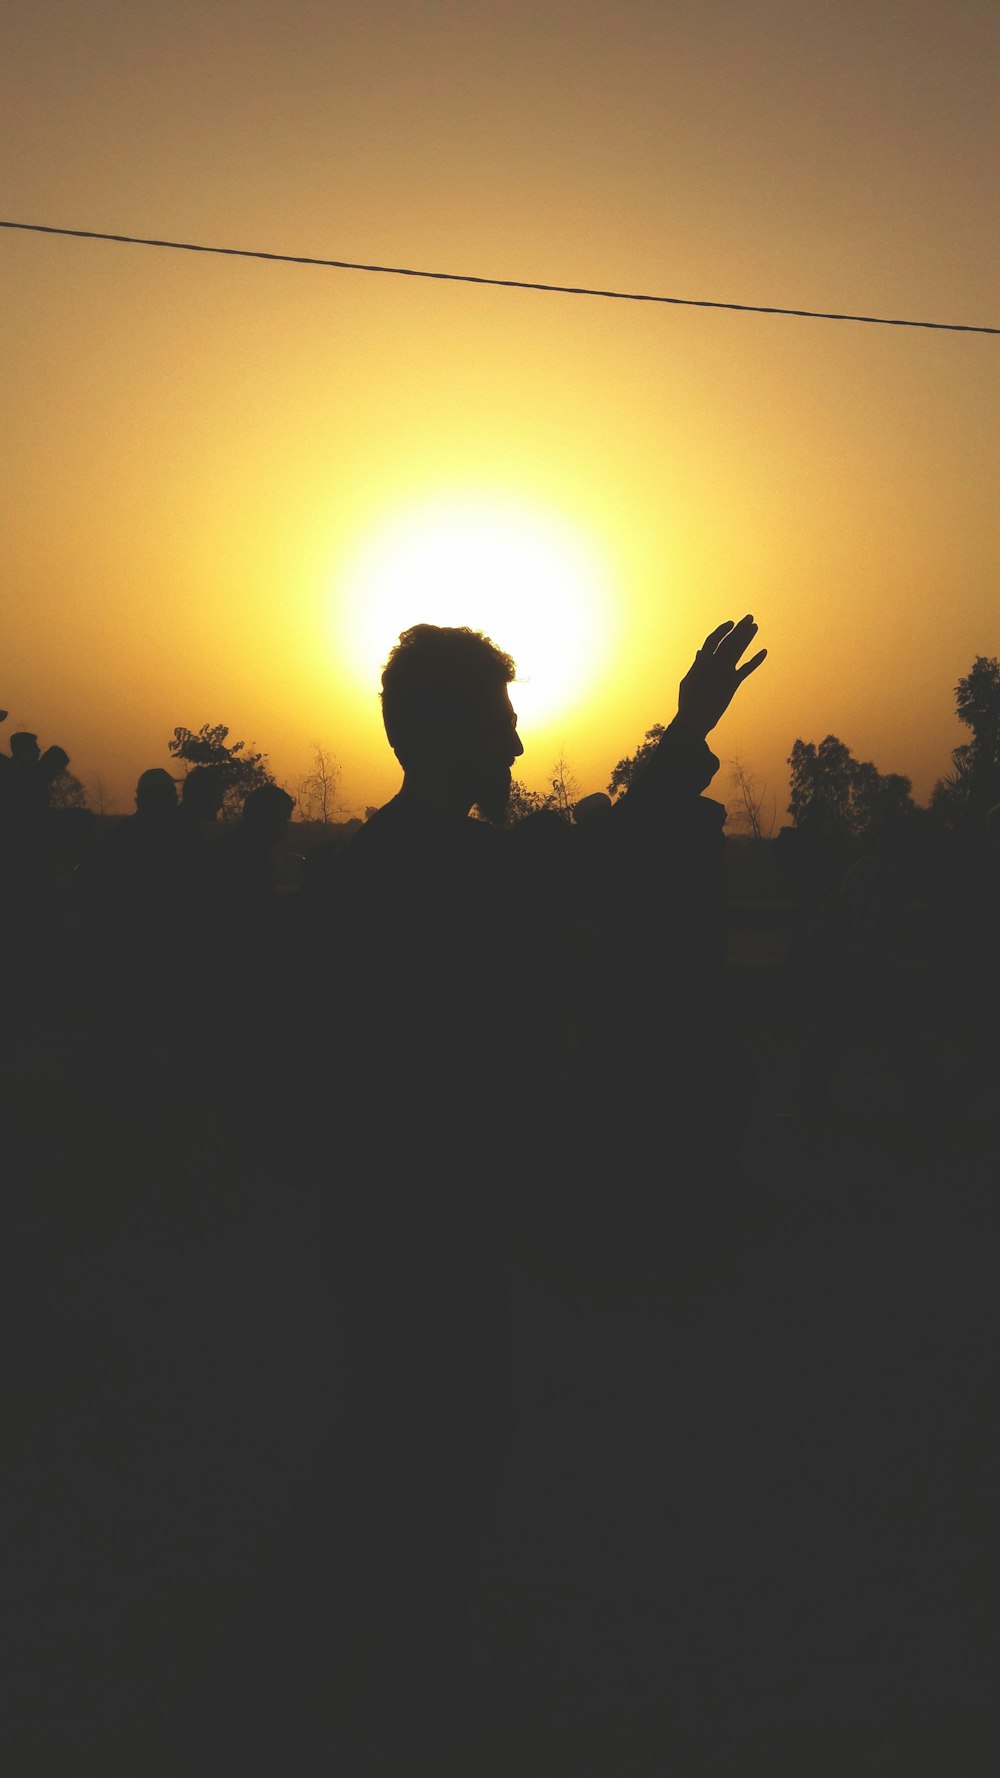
(202, 793)
(24, 747)
(53, 763)
(266, 813)
(448, 715)
(592, 808)
(155, 794)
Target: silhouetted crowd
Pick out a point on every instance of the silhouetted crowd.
(315, 1118)
(173, 931)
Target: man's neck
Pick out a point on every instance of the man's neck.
(434, 795)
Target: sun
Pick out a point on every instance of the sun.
(532, 582)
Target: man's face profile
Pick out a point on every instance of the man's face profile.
(494, 744)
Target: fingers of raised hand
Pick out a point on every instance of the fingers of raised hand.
(752, 664)
(730, 639)
(712, 641)
(739, 638)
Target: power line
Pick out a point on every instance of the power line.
(403, 271)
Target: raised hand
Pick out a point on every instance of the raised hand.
(709, 685)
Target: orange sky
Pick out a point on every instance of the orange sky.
(199, 455)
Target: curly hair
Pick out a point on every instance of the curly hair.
(434, 683)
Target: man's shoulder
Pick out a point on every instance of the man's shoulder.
(372, 856)
(385, 830)
(406, 824)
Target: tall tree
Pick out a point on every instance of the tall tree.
(752, 800)
(317, 791)
(973, 784)
(242, 770)
(102, 800)
(565, 789)
(845, 797)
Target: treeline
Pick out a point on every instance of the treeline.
(848, 799)
(833, 790)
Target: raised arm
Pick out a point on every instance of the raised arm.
(683, 764)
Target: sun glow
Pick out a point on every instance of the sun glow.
(529, 581)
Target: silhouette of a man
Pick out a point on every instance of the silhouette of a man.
(202, 795)
(261, 827)
(27, 780)
(28, 838)
(448, 975)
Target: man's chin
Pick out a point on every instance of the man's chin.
(493, 799)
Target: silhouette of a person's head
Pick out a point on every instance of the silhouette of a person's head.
(593, 807)
(203, 793)
(24, 748)
(53, 763)
(449, 719)
(266, 814)
(155, 795)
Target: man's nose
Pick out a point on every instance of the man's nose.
(518, 745)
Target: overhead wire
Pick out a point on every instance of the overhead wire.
(401, 271)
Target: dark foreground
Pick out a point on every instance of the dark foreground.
(747, 1524)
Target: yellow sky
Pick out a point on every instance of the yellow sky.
(198, 452)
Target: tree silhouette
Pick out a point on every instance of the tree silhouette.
(752, 800)
(561, 797)
(973, 784)
(241, 771)
(67, 792)
(102, 800)
(625, 771)
(317, 791)
(565, 789)
(523, 802)
(846, 797)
